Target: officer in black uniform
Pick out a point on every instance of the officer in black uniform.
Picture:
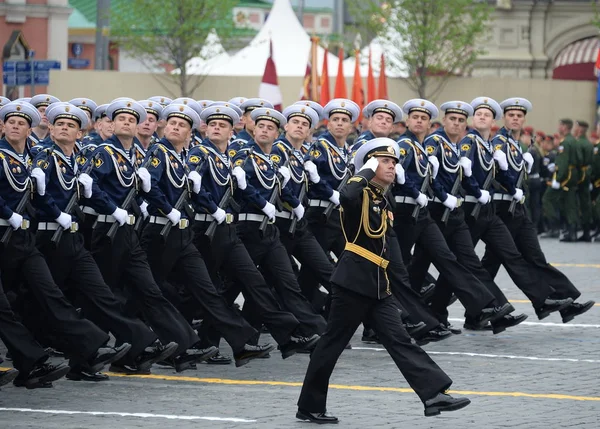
(21, 262)
(122, 262)
(174, 254)
(361, 291)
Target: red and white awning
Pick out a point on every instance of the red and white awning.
(577, 60)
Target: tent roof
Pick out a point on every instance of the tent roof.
(393, 67)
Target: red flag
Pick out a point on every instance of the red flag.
(383, 92)
(269, 87)
(325, 95)
(371, 94)
(358, 95)
(598, 62)
(340, 81)
(306, 86)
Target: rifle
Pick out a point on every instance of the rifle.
(72, 205)
(226, 201)
(329, 209)
(486, 186)
(513, 203)
(180, 204)
(21, 207)
(130, 198)
(273, 200)
(292, 229)
(425, 186)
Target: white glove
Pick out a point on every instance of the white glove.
(529, 160)
(335, 198)
(299, 211)
(551, 167)
(555, 184)
(64, 220)
(40, 180)
(591, 187)
(500, 157)
(422, 200)
(400, 177)
(196, 180)
(144, 176)
(371, 164)
(466, 165)
(240, 177)
(485, 197)
(269, 210)
(311, 170)
(451, 202)
(120, 216)
(518, 195)
(174, 216)
(435, 164)
(285, 175)
(87, 182)
(144, 209)
(15, 220)
(219, 215)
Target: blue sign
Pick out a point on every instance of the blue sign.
(78, 63)
(17, 73)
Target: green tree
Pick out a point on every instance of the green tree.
(169, 34)
(428, 41)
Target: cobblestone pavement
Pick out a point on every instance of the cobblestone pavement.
(542, 374)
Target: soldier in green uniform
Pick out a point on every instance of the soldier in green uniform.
(585, 151)
(595, 180)
(566, 177)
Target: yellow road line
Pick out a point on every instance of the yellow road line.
(526, 301)
(575, 265)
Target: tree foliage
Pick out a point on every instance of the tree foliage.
(159, 33)
(428, 40)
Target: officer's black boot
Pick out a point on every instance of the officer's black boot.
(586, 237)
(570, 236)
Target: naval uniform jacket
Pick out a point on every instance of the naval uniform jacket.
(332, 165)
(14, 178)
(284, 151)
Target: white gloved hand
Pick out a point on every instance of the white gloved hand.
(485, 197)
(551, 167)
(86, 181)
(174, 216)
(144, 176)
(371, 164)
(335, 198)
(240, 177)
(219, 215)
(422, 200)
(15, 220)
(591, 187)
(451, 202)
(555, 184)
(435, 164)
(500, 157)
(40, 180)
(285, 175)
(400, 177)
(196, 180)
(466, 165)
(120, 216)
(64, 220)
(269, 210)
(518, 195)
(529, 160)
(299, 211)
(144, 209)
(311, 170)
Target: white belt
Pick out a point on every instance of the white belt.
(183, 223)
(251, 217)
(406, 200)
(24, 223)
(471, 199)
(502, 197)
(209, 218)
(111, 219)
(284, 215)
(534, 176)
(89, 210)
(318, 203)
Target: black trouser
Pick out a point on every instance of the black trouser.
(73, 267)
(457, 236)
(124, 267)
(489, 228)
(348, 310)
(24, 349)
(525, 237)
(425, 233)
(21, 261)
(226, 251)
(178, 257)
(270, 255)
(534, 201)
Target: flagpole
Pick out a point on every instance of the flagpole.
(314, 90)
